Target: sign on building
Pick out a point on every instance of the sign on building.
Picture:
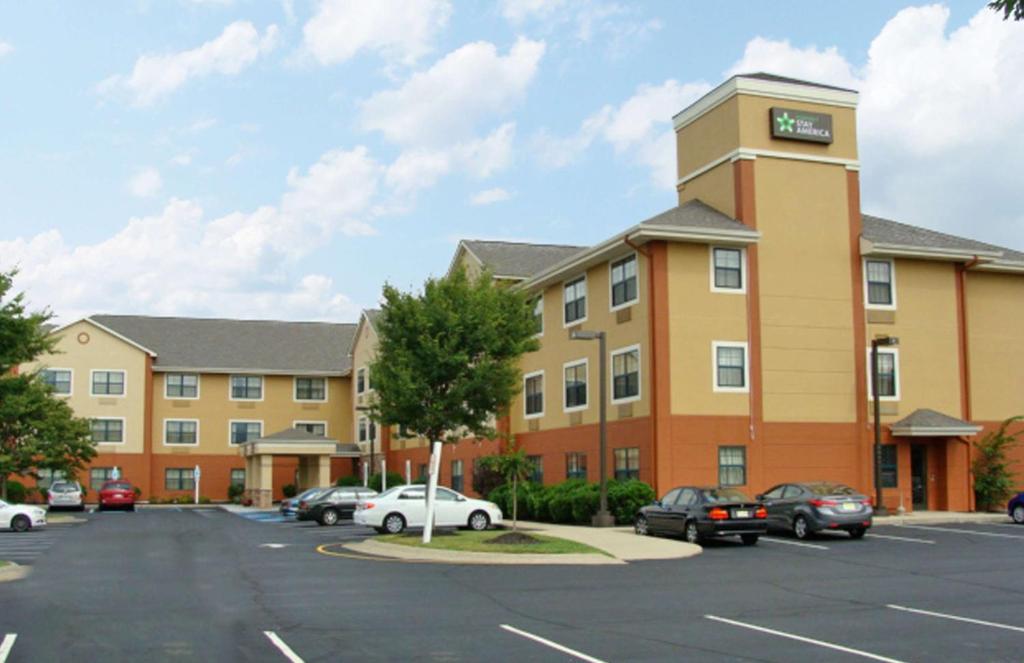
(801, 125)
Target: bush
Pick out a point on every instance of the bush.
(394, 479)
(16, 492)
(348, 481)
(181, 499)
(993, 478)
(486, 479)
(204, 500)
(502, 496)
(573, 501)
(289, 490)
(235, 491)
(626, 497)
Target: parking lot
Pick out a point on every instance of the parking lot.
(208, 585)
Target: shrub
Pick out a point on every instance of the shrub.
(137, 491)
(204, 500)
(16, 492)
(181, 499)
(289, 490)
(575, 500)
(585, 501)
(156, 500)
(394, 479)
(502, 496)
(486, 478)
(626, 497)
(993, 478)
(348, 481)
(538, 498)
(235, 491)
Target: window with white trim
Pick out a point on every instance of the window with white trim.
(247, 387)
(108, 383)
(727, 266)
(575, 465)
(363, 429)
(538, 315)
(179, 478)
(310, 389)
(58, 379)
(181, 385)
(181, 431)
(314, 427)
(99, 476)
(107, 431)
(243, 431)
(576, 386)
(878, 277)
(457, 476)
(888, 374)
(575, 298)
(730, 366)
(626, 374)
(361, 381)
(624, 279)
(238, 476)
(533, 390)
(627, 463)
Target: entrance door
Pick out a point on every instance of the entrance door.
(919, 476)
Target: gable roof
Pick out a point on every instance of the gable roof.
(774, 78)
(517, 260)
(695, 215)
(925, 422)
(888, 237)
(225, 346)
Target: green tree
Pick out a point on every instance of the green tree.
(37, 430)
(1014, 8)
(514, 465)
(993, 479)
(447, 358)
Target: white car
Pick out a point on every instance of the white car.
(405, 506)
(21, 517)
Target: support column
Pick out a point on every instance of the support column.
(323, 474)
(264, 493)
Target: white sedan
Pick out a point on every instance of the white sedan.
(21, 517)
(405, 506)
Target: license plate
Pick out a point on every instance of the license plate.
(848, 506)
(741, 513)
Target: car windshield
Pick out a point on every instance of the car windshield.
(63, 488)
(391, 491)
(830, 489)
(120, 485)
(724, 495)
(311, 493)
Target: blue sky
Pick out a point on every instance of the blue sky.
(284, 159)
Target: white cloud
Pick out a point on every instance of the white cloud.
(156, 76)
(5, 48)
(444, 103)
(400, 30)
(811, 64)
(617, 26)
(519, 11)
(183, 158)
(145, 183)
(420, 168)
(490, 196)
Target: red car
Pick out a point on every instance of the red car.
(117, 494)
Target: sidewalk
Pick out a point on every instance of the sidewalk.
(417, 554)
(936, 517)
(620, 542)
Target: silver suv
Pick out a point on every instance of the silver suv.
(66, 495)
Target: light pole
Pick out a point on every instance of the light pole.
(880, 341)
(602, 518)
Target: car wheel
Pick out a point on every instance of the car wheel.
(380, 530)
(691, 532)
(479, 521)
(1018, 514)
(394, 523)
(131, 507)
(801, 529)
(21, 523)
(858, 532)
(640, 526)
(749, 539)
(329, 517)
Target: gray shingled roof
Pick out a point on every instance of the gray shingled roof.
(263, 345)
(764, 76)
(518, 259)
(292, 436)
(696, 214)
(925, 418)
(886, 231)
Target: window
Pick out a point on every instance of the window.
(47, 477)
(687, 496)
(243, 431)
(575, 293)
(457, 475)
(538, 315)
(727, 270)
(237, 476)
(626, 374)
(537, 473)
(179, 478)
(181, 385)
(775, 493)
(575, 465)
(627, 463)
(181, 431)
(576, 386)
(100, 475)
(59, 379)
(107, 431)
(314, 427)
(533, 389)
(888, 374)
(373, 431)
(623, 280)
(363, 429)
(108, 383)
(732, 466)
(879, 283)
(421, 472)
(310, 389)
(246, 387)
(730, 366)
(889, 466)
(792, 492)
(361, 384)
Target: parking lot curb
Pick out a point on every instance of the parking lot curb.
(939, 519)
(12, 571)
(411, 554)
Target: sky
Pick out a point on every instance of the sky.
(283, 160)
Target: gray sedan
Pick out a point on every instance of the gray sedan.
(806, 508)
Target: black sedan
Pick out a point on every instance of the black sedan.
(332, 505)
(806, 508)
(702, 513)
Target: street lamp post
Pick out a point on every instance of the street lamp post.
(602, 518)
(880, 341)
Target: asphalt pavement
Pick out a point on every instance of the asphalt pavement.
(212, 586)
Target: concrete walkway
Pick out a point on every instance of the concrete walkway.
(619, 542)
(936, 517)
(418, 554)
(11, 571)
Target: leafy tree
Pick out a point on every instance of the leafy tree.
(447, 358)
(37, 431)
(514, 466)
(1009, 8)
(993, 480)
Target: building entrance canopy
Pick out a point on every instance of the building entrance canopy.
(929, 423)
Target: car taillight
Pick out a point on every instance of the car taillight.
(368, 505)
(817, 503)
(868, 502)
(302, 504)
(718, 513)
(761, 512)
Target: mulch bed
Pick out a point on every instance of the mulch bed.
(517, 538)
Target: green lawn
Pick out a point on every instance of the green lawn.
(3, 563)
(477, 542)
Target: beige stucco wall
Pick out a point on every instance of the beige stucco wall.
(995, 335)
(709, 137)
(363, 352)
(755, 128)
(715, 187)
(102, 350)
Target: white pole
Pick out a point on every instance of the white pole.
(196, 473)
(366, 474)
(408, 471)
(383, 475)
(435, 465)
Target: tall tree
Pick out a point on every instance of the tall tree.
(1014, 8)
(37, 430)
(514, 465)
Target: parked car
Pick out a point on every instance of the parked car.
(702, 513)
(405, 506)
(290, 506)
(334, 504)
(806, 508)
(65, 495)
(1016, 508)
(21, 517)
(117, 493)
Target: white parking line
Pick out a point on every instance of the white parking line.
(6, 645)
(794, 543)
(281, 645)
(800, 638)
(553, 645)
(957, 618)
(963, 531)
(898, 538)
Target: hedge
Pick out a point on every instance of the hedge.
(573, 501)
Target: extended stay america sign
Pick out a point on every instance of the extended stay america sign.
(801, 125)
